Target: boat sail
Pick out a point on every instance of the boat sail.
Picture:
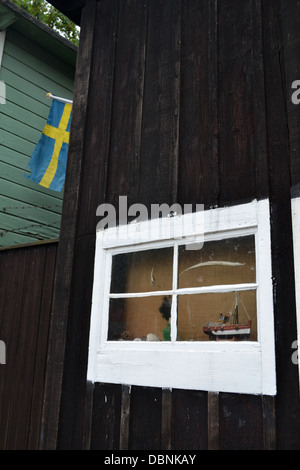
(229, 329)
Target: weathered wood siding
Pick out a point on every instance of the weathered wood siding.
(26, 283)
(28, 212)
(176, 420)
(182, 101)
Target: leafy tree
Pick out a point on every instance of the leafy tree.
(49, 15)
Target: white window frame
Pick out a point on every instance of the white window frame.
(296, 242)
(237, 367)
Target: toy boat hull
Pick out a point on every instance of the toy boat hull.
(240, 331)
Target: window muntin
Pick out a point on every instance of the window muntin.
(182, 278)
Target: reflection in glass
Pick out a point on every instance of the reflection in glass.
(221, 262)
(217, 316)
(140, 319)
(142, 271)
(200, 316)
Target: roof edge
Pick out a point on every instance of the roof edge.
(70, 8)
(20, 13)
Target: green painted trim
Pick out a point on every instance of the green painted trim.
(6, 18)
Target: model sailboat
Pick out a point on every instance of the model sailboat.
(226, 328)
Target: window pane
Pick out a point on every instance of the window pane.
(142, 271)
(217, 314)
(219, 262)
(145, 318)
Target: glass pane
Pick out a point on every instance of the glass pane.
(142, 271)
(230, 261)
(140, 319)
(223, 316)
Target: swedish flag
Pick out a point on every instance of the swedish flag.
(49, 159)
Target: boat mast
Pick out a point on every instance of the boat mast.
(236, 310)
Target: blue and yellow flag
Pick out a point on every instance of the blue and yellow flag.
(49, 159)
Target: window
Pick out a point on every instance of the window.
(177, 294)
(193, 310)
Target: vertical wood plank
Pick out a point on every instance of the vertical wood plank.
(213, 421)
(290, 21)
(259, 104)
(41, 346)
(88, 416)
(189, 420)
(98, 125)
(127, 103)
(159, 145)
(269, 423)
(125, 417)
(107, 402)
(198, 145)
(241, 426)
(145, 419)
(65, 257)
(239, 48)
(166, 419)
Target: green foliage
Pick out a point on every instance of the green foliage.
(46, 13)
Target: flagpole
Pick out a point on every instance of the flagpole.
(57, 98)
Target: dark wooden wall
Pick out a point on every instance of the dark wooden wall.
(175, 101)
(26, 284)
(177, 420)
